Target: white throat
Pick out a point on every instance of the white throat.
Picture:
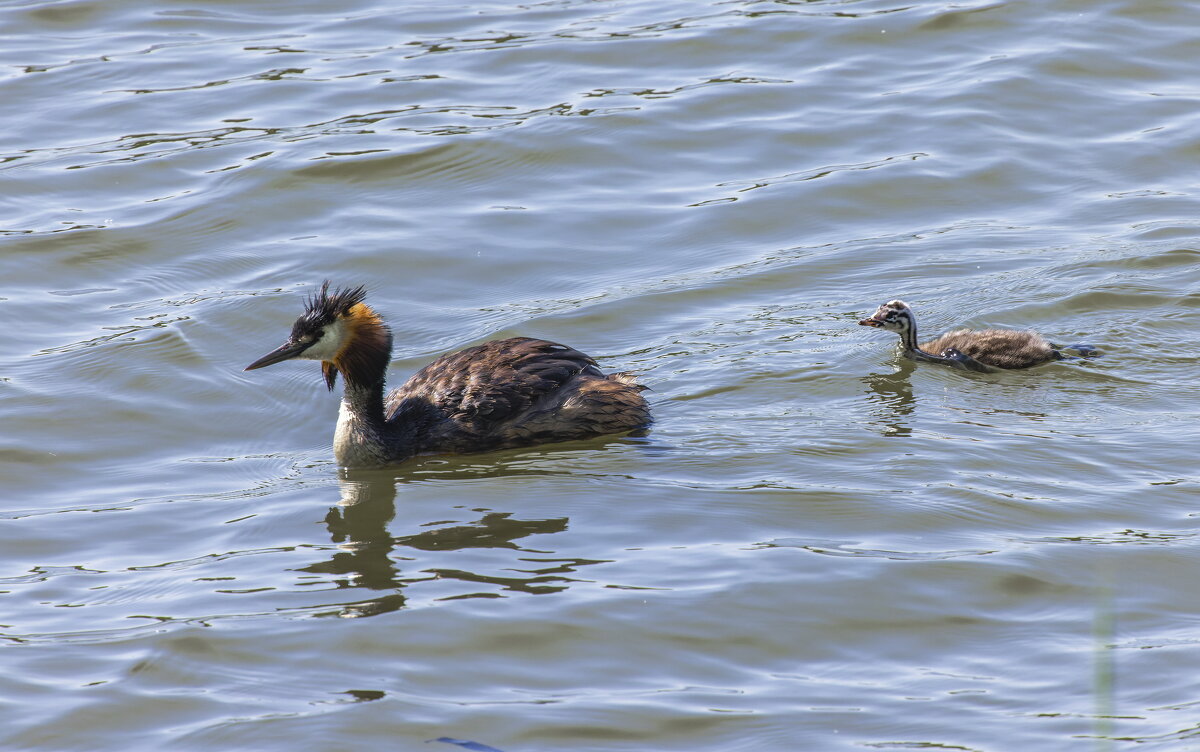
(355, 442)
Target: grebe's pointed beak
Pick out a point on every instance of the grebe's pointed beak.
(288, 351)
(870, 322)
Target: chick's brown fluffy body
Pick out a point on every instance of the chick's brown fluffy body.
(1000, 348)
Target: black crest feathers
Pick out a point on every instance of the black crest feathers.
(324, 304)
(324, 307)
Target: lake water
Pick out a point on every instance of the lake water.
(820, 545)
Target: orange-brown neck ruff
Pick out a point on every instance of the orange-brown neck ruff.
(366, 348)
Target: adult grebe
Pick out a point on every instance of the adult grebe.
(982, 350)
(505, 393)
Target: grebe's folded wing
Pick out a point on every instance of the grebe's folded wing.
(492, 382)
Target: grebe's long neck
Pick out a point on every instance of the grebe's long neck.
(358, 439)
(908, 340)
(363, 436)
(908, 335)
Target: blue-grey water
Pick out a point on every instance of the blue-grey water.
(820, 546)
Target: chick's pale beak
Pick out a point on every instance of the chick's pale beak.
(870, 322)
(288, 351)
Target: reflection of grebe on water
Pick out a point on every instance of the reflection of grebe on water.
(892, 396)
(368, 555)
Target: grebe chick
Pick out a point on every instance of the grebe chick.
(983, 350)
(505, 393)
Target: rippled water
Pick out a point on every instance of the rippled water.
(820, 546)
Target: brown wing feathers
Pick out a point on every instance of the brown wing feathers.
(516, 392)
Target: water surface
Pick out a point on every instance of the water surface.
(820, 546)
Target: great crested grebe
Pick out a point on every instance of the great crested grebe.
(505, 393)
(982, 350)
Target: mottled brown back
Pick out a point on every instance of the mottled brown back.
(515, 392)
(1001, 348)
